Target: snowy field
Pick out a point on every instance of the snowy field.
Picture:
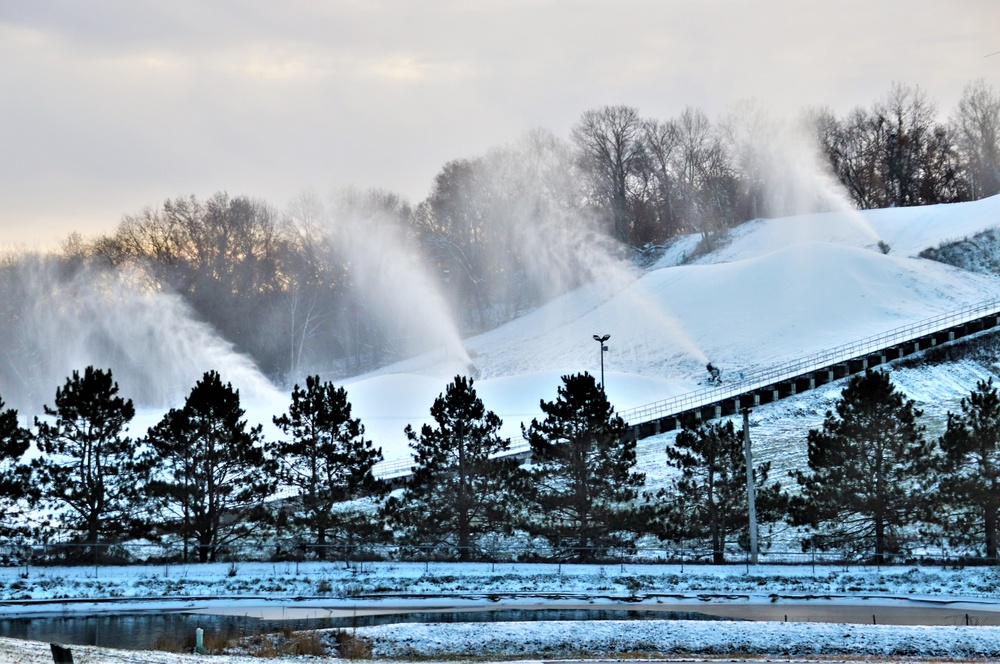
(42, 589)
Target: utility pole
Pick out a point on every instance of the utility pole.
(751, 490)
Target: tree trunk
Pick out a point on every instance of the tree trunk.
(718, 545)
(206, 551)
(991, 537)
(879, 540)
(321, 542)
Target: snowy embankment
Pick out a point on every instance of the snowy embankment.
(13, 651)
(615, 638)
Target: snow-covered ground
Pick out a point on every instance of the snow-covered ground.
(43, 588)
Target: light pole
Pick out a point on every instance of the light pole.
(751, 489)
(604, 348)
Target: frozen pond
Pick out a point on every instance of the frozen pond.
(141, 631)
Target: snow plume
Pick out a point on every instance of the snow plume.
(59, 317)
(536, 190)
(520, 233)
(563, 249)
(389, 276)
(530, 194)
(667, 329)
(786, 171)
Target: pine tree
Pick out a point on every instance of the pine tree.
(970, 479)
(15, 487)
(463, 486)
(86, 465)
(866, 467)
(329, 461)
(582, 478)
(212, 475)
(709, 500)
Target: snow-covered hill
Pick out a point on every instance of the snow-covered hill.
(772, 291)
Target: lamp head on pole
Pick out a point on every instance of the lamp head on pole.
(601, 340)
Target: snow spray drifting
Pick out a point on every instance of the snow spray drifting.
(388, 275)
(789, 175)
(59, 318)
(569, 264)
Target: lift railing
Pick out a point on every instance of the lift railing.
(855, 350)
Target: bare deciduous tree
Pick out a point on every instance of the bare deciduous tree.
(609, 144)
(977, 124)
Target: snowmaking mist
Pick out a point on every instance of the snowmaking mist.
(561, 262)
(60, 316)
(574, 267)
(559, 250)
(391, 279)
(790, 177)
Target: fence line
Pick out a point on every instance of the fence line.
(292, 550)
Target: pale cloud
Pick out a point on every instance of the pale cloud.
(277, 62)
(282, 69)
(111, 105)
(18, 36)
(159, 62)
(408, 68)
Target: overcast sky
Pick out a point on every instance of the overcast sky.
(107, 106)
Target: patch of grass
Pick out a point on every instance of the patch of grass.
(350, 646)
(351, 590)
(269, 645)
(709, 242)
(214, 643)
(286, 643)
(172, 643)
(632, 583)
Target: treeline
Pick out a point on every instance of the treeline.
(202, 479)
(306, 289)
(652, 179)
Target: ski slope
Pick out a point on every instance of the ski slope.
(774, 290)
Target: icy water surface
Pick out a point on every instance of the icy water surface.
(141, 631)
